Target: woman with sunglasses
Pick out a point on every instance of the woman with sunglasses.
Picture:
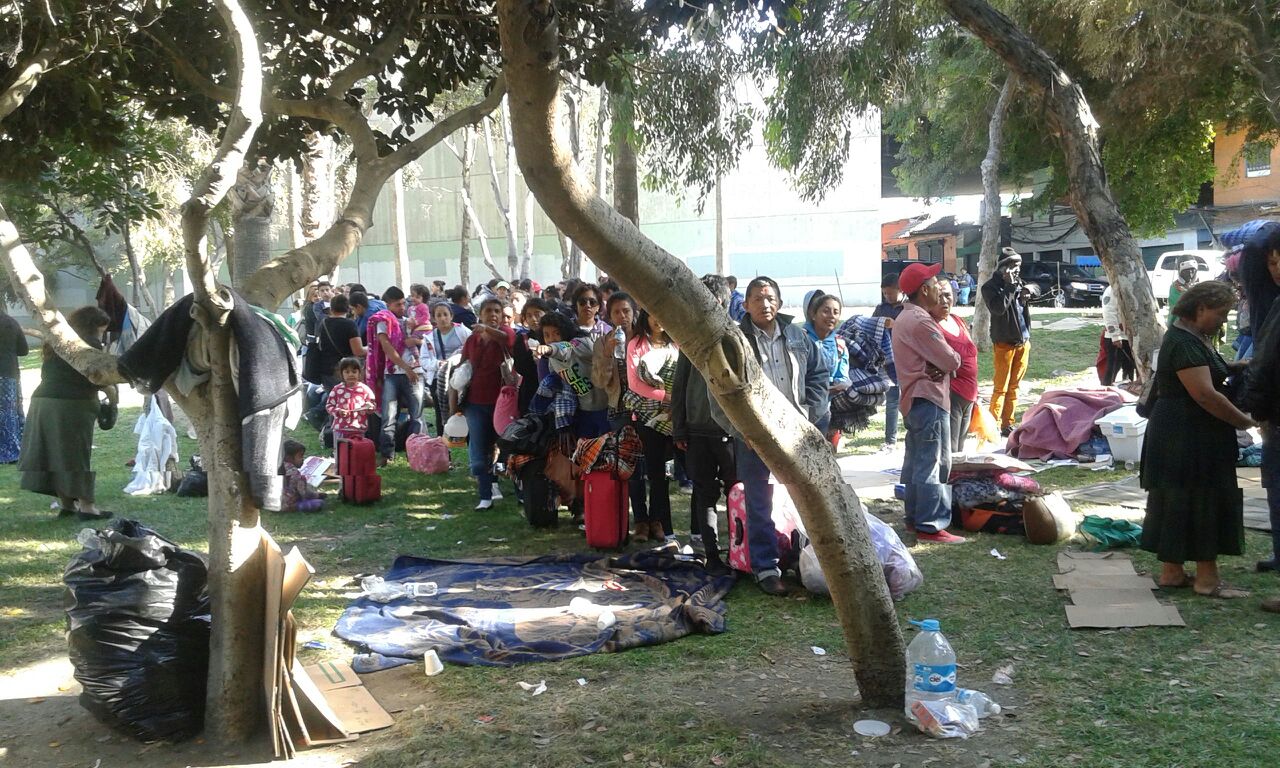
(586, 307)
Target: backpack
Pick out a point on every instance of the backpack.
(429, 455)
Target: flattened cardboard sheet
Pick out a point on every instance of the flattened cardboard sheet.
(1077, 580)
(1150, 614)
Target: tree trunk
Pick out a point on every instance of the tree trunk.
(235, 705)
(991, 213)
(572, 267)
(526, 258)
(464, 193)
(142, 298)
(252, 202)
(1070, 121)
(566, 253)
(400, 232)
(792, 448)
(626, 175)
(317, 187)
(722, 267)
(505, 203)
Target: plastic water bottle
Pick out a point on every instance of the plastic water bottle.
(978, 700)
(931, 667)
(382, 591)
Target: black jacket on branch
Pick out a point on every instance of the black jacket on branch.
(267, 377)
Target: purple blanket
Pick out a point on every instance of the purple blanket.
(1063, 419)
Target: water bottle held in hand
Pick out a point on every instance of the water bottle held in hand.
(931, 667)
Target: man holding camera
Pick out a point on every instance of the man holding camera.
(1007, 300)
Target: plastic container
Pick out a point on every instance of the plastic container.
(382, 591)
(1124, 430)
(978, 700)
(931, 667)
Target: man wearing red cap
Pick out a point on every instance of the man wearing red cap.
(925, 363)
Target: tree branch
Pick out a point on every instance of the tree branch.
(28, 77)
(28, 282)
(219, 175)
(367, 65)
(330, 109)
(469, 115)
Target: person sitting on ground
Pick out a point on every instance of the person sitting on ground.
(796, 367)
(57, 444)
(925, 364)
(889, 308)
(350, 401)
(822, 315)
(298, 495)
(964, 383)
(1194, 507)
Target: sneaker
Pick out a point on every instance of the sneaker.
(941, 537)
(497, 492)
(485, 504)
(772, 585)
(888, 447)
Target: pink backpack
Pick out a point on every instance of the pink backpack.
(507, 409)
(429, 455)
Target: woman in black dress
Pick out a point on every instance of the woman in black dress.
(57, 446)
(1195, 510)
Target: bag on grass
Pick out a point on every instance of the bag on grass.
(983, 425)
(195, 482)
(429, 455)
(138, 631)
(1106, 533)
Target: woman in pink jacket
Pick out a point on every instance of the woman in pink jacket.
(651, 365)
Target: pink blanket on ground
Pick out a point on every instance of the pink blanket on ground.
(1063, 419)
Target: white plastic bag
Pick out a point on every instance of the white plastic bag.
(900, 570)
(460, 379)
(157, 446)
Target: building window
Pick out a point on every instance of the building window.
(896, 253)
(930, 251)
(1257, 159)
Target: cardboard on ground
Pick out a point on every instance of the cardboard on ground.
(306, 706)
(1106, 593)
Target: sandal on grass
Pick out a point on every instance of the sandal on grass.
(1224, 591)
(1188, 580)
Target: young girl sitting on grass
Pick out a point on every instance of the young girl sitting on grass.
(298, 495)
(350, 402)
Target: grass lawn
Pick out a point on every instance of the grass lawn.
(756, 695)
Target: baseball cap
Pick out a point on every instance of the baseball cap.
(915, 275)
(502, 284)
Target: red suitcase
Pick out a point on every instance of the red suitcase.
(357, 456)
(605, 510)
(361, 489)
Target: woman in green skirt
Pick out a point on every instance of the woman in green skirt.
(1195, 511)
(57, 445)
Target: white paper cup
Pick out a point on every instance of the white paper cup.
(431, 663)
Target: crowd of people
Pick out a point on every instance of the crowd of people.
(595, 362)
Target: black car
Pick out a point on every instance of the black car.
(1062, 285)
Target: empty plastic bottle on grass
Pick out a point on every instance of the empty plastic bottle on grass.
(978, 700)
(384, 591)
(931, 667)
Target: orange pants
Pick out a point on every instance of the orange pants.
(1011, 366)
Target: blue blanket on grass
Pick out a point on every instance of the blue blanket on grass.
(506, 611)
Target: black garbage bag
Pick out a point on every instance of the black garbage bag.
(196, 481)
(138, 631)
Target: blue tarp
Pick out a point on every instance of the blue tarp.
(505, 611)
